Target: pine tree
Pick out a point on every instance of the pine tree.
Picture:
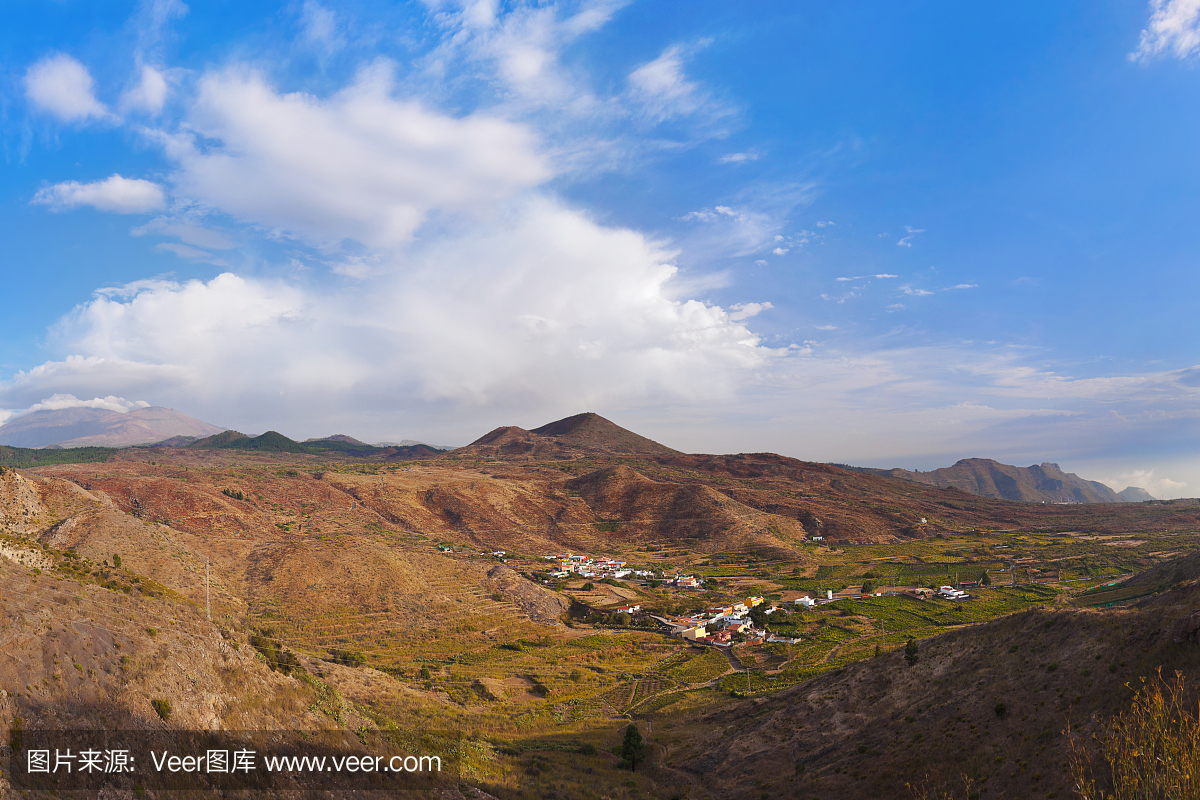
(910, 652)
(633, 749)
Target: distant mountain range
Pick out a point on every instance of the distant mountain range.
(564, 439)
(275, 442)
(97, 427)
(1037, 483)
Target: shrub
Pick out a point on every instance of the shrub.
(278, 657)
(162, 707)
(1152, 749)
(1000, 709)
(348, 658)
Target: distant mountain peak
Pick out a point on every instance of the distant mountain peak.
(565, 438)
(97, 427)
(338, 437)
(593, 431)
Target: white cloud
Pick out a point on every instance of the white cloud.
(662, 91)
(781, 251)
(966, 286)
(320, 27)
(915, 292)
(115, 194)
(741, 311)
(826, 327)
(187, 232)
(58, 402)
(864, 277)
(540, 308)
(907, 240)
(361, 165)
(1144, 479)
(739, 158)
(826, 224)
(1174, 27)
(190, 253)
(711, 215)
(62, 87)
(520, 46)
(149, 95)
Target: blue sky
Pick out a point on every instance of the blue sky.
(876, 233)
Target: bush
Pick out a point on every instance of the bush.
(1152, 749)
(1001, 709)
(162, 707)
(910, 652)
(278, 657)
(348, 658)
(589, 586)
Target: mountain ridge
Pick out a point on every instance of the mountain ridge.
(985, 477)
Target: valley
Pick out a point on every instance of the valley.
(258, 588)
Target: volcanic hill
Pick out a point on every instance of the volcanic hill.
(565, 438)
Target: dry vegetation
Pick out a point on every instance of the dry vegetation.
(370, 588)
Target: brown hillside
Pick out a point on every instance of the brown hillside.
(594, 432)
(878, 724)
(1039, 483)
(698, 516)
(514, 442)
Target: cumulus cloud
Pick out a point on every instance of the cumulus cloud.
(62, 87)
(361, 165)
(542, 308)
(1174, 28)
(115, 194)
(149, 94)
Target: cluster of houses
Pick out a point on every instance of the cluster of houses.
(718, 625)
(588, 567)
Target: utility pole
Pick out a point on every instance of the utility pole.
(207, 600)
